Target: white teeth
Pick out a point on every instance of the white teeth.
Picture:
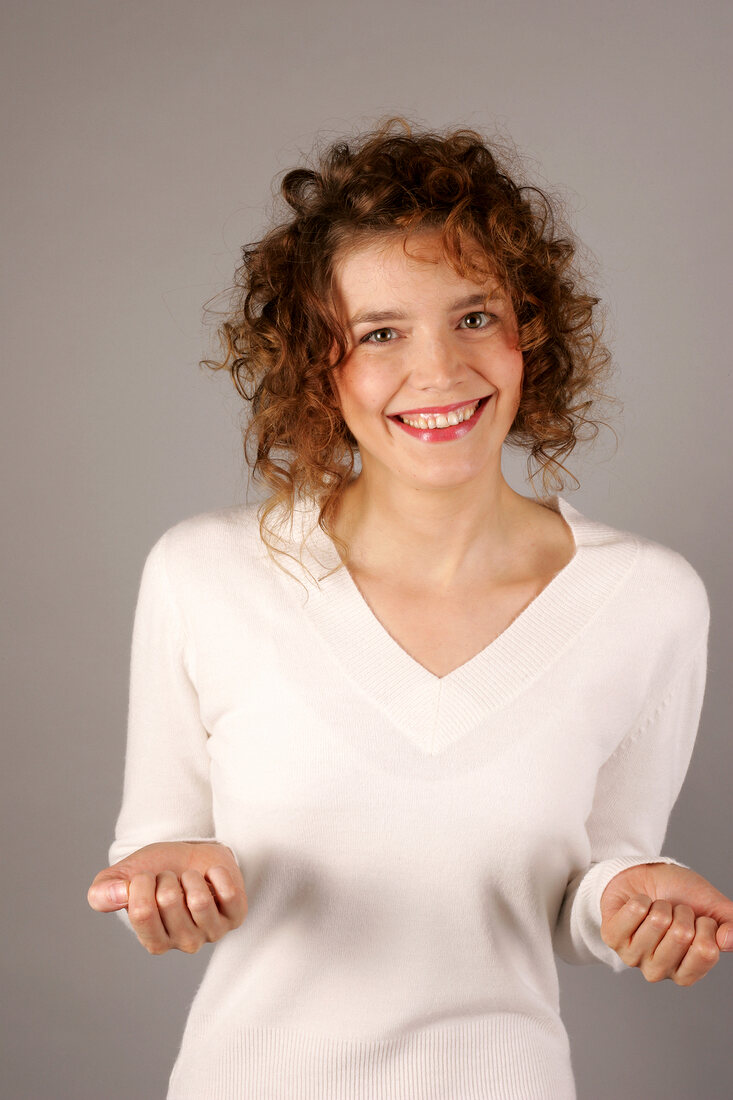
(440, 420)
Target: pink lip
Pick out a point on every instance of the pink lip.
(435, 409)
(444, 435)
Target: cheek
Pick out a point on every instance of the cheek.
(513, 366)
(341, 389)
(517, 381)
(360, 392)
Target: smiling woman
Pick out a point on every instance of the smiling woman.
(443, 744)
(432, 369)
(488, 240)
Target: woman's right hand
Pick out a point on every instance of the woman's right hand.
(178, 895)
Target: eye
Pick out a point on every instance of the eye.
(488, 317)
(377, 332)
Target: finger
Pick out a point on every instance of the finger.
(673, 946)
(650, 933)
(619, 929)
(702, 954)
(144, 917)
(201, 905)
(174, 914)
(724, 936)
(108, 891)
(230, 894)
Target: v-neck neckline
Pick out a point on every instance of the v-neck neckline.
(436, 710)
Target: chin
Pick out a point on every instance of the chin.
(445, 479)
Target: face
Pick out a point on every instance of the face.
(432, 378)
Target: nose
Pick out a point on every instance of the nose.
(436, 364)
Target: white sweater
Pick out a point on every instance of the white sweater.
(413, 848)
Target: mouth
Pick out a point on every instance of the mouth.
(440, 417)
(441, 424)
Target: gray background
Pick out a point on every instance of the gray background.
(140, 144)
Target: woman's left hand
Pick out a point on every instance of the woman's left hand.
(667, 920)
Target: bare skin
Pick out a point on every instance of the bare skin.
(443, 550)
(668, 921)
(179, 895)
(441, 625)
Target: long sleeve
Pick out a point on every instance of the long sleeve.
(167, 794)
(409, 837)
(636, 790)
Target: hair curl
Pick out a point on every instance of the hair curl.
(282, 327)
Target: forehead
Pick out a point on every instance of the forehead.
(371, 265)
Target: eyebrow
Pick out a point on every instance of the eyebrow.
(376, 316)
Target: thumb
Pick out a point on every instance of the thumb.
(724, 936)
(108, 892)
(720, 908)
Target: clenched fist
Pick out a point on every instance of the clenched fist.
(179, 895)
(667, 920)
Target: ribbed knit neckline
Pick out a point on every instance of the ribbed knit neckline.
(435, 711)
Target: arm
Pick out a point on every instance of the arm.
(636, 790)
(167, 793)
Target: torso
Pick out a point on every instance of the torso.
(443, 632)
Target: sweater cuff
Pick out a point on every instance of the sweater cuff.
(586, 918)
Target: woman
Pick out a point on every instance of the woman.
(420, 730)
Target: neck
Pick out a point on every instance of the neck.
(436, 538)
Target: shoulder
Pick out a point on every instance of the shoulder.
(203, 529)
(675, 586)
(209, 542)
(664, 591)
(672, 573)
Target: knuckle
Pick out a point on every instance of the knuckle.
(143, 879)
(156, 948)
(682, 934)
(167, 896)
(684, 980)
(708, 952)
(189, 946)
(199, 901)
(140, 913)
(660, 919)
(192, 880)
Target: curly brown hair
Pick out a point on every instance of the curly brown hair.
(282, 336)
